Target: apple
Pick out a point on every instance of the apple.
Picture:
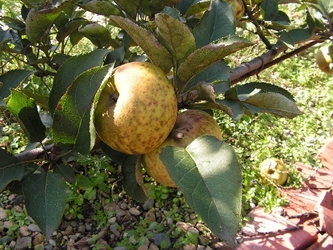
(237, 7)
(324, 59)
(189, 125)
(274, 170)
(137, 108)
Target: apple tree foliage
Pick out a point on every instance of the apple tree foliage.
(189, 40)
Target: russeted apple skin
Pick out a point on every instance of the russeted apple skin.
(274, 170)
(190, 125)
(324, 59)
(237, 7)
(137, 109)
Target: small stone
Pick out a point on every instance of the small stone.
(81, 229)
(38, 239)
(190, 247)
(113, 229)
(23, 243)
(148, 204)
(73, 224)
(169, 221)
(88, 227)
(200, 247)
(159, 238)
(193, 230)
(48, 247)
(134, 211)
(24, 231)
(73, 237)
(120, 248)
(123, 206)
(68, 230)
(120, 212)
(39, 247)
(52, 242)
(183, 225)
(34, 228)
(152, 246)
(112, 220)
(7, 224)
(110, 207)
(150, 215)
(3, 213)
(18, 209)
(63, 225)
(203, 240)
(133, 240)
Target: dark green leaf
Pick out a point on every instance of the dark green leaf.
(287, 39)
(156, 52)
(70, 27)
(133, 180)
(216, 23)
(176, 37)
(38, 22)
(208, 55)
(11, 169)
(184, 5)
(114, 155)
(129, 7)
(270, 9)
(326, 7)
(25, 111)
(197, 7)
(45, 199)
(73, 128)
(215, 74)
(66, 171)
(209, 175)
(12, 79)
(97, 34)
(70, 70)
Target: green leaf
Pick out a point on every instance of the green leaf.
(83, 182)
(156, 52)
(45, 199)
(208, 174)
(38, 22)
(133, 180)
(66, 171)
(273, 103)
(209, 54)
(70, 27)
(287, 39)
(216, 23)
(259, 97)
(129, 7)
(12, 79)
(25, 111)
(197, 7)
(326, 7)
(217, 73)
(176, 37)
(11, 169)
(269, 9)
(70, 69)
(73, 127)
(104, 8)
(97, 34)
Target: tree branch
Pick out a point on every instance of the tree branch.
(265, 61)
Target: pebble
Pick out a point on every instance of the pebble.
(8, 223)
(120, 212)
(24, 231)
(190, 247)
(193, 230)
(38, 239)
(81, 229)
(152, 246)
(134, 211)
(34, 228)
(150, 215)
(159, 238)
(68, 230)
(113, 229)
(120, 248)
(3, 213)
(148, 204)
(123, 206)
(23, 243)
(18, 209)
(88, 227)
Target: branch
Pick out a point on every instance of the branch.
(265, 61)
(34, 154)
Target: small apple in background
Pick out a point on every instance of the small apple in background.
(237, 7)
(324, 59)
(274, 170)
(190, 125)
(137, 109)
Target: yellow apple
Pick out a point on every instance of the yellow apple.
(237, 7)
(137, 109)
(190, 125)
(274, 170)
(324, 59)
